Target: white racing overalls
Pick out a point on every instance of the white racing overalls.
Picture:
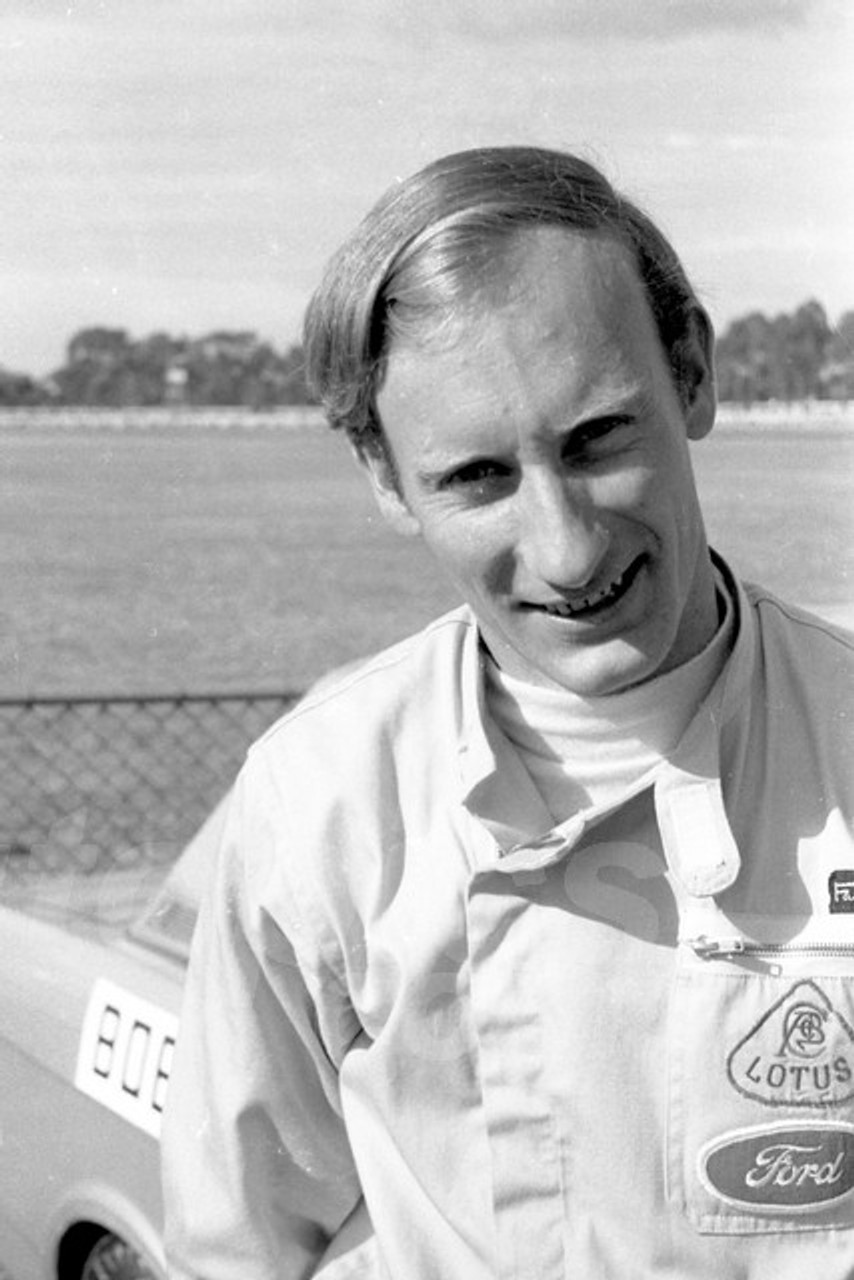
(621, 1047)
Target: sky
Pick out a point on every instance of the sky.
(189, 165)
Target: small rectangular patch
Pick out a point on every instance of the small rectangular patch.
(840, 886)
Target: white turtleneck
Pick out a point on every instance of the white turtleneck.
(586, 752)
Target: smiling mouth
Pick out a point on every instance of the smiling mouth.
(596, 601)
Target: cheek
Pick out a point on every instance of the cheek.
(497, 575)
(479, 557)
(632, 490)
(677, 511)
(650, 497)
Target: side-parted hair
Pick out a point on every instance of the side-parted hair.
(431, 245)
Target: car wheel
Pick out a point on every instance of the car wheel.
(113, 1259)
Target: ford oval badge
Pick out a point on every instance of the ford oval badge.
(781, 1167)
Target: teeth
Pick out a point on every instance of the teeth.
(566, 610)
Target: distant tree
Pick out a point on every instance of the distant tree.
(98, 346)
(95, 371)
(20, 389)
(837, 372)
(294, 389)
(150, 362)
(227, 367)
(219, 367)
(758, 358)
(807, 334)
(745, 359)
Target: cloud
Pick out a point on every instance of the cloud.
(711, 140)
(598, 19)
(438, 20)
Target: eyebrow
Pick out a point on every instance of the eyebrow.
(633, 403)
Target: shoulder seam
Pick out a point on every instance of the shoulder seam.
(801, 617)
(385, 660)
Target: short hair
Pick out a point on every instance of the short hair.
(433, 240)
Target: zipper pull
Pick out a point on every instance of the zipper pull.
(708, 948)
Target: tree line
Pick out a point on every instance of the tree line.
(106, 368)
(790, 357)
(758, 358)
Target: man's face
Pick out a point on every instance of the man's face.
(542, 454)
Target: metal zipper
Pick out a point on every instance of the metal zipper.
(727, 948)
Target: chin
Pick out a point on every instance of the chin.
(593, 669)
(595, 675)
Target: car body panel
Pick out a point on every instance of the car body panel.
(94, 965)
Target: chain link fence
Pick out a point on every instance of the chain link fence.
(92, 783)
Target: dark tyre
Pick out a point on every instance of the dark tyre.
(113, 1259)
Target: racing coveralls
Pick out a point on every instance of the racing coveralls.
(619, 1047)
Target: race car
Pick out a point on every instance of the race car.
(93, 970)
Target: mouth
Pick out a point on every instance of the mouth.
(594, 602)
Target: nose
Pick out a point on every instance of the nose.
(563, 541)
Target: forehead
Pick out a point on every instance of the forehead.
(531, 248)
(573, 281)
(564, 315)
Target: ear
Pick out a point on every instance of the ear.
(696, 375)
(377, 463)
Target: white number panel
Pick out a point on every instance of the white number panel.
(125, 1054)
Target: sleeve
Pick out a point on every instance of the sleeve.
(258, 1175)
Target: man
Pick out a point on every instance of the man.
(529, 953)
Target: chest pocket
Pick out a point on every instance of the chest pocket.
(761, 1087)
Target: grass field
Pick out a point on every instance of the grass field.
(200, 559)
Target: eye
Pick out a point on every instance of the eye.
(479, 474)
(592, 441)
